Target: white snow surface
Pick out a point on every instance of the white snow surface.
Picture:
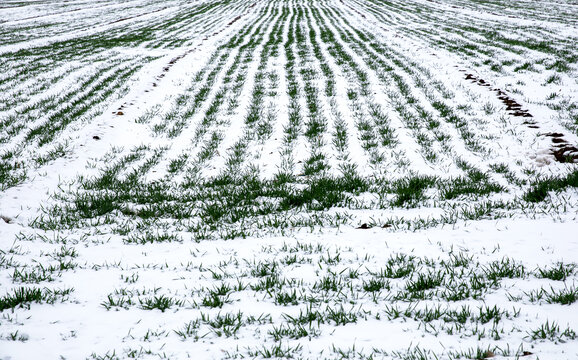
(105, 267)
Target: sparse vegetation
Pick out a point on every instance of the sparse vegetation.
(330, 179)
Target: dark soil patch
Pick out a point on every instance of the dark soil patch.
(562, 152)
(566, 154)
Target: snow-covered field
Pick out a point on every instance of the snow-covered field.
(357, 179)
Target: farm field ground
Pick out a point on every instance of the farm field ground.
(332, 179)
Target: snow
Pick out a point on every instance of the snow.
(105, 268)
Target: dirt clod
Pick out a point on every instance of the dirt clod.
(566, 154)
(6, 219)
(555, 135)
(489, 354)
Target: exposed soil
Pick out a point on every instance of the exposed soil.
(562, 150)
(6, 219)
(354, 9)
